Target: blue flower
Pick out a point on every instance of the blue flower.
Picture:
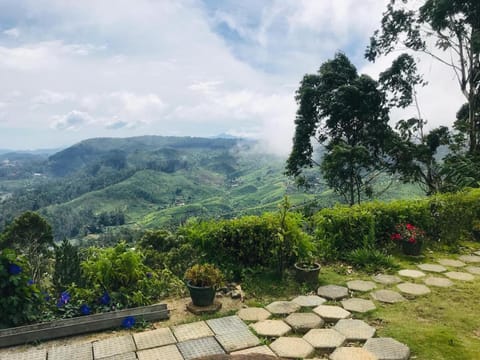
(85, 309)
(14, 269)
(149, 275)
(105, 299)
(30, 282)
(45, 295)
(128, 322)
(64, 299)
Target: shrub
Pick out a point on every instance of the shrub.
(371, 260)
(204, 275)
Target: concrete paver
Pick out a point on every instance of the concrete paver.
(451, 263)
(264, 350)
(302, 322)
(354, 330)
(457, 275)
(352, 353)
(475, 270)
(387, 349)
(282, 307)
(432, 268)
(192, 349)
(254, 314)
(324, 339)
(226, 325)
(169, 352)
(71, 352)
(291, 347)
(309, 300)
(387, 296)
(413, 289)
(271, 328)
(438, 282)
(358, 305)
(113, 346)
(238, 340)
(40, 354)
(331, 313)
(332, 292)
(125, 356)
(386, 279)
(414, 274)
(469, 258)
(154, 338)
(361, 285)
(192, 331)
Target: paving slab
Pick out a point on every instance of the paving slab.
(192, 349)
(125, 356)
(358, 305)
(238, 340)
(292, 347)
(71, 352)
(192, 331)
(113, 346)
(332, 292)
(457, 275)
(387, 349)
(331, 313)
(282, 307)
(271, 328)
(226, 325)
(324, 339)
(414, 274)
(302, 322)
(386, 279)
(309, 300)
(473, 270)
(413, 289)
(169, 352)
(451, 263)
(469, 258)
(263, 350)
(26, 355)
(477, 253)
(354, 330)
(432, 268)
(254, 314)
(361, 285)
(387, 296)
(352, 353)
(438, 282)
(154, 338)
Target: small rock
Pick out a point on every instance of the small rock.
(236, 294)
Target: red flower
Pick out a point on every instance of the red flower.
(412, 240)
(396, 236)
(410, 227)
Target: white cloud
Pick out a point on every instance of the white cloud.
(71, 121)
(13, 32)
(139, 103)
(49, 97)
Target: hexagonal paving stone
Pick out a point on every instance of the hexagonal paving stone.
(254, 314)
(332, 292)
(387, 349)
(451, 262)
(291, 347)
(413, 289)
(302, 322)
(113, 346)
(169, 352)
(192, 331)
(352, 353)
(477, 253)
(282, 307)
(438, 282)
(331, 313)
(432, 268)
(414, 274)
(71, 352)
(271, 328)
(192, 349)
(457, 275)
(26, 355)
(361, 285)
(154, 338)
(469, 258)
(308, 300)
(473, 270)
(387, 296)
(324, 339)
(358, 305)
(386, 279)
(354, 330)
(263, 350)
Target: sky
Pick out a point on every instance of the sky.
(72, 70)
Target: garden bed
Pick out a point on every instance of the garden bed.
(80, 325)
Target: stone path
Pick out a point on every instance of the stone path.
(304, 327)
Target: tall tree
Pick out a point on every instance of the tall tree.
(455, 26)
(346, 113)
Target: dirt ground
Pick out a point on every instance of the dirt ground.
(178, 314)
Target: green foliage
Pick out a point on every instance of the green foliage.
(67, 266)
(20, 301)
(371, 260)
(204, 275)
(31, 235)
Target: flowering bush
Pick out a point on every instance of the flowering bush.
(408, 233)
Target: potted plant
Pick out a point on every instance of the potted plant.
(306, 268)
(202, 282)
(410, 237)
(476, 230)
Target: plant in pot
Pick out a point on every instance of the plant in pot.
(476, 230)
(410, 237)
(306, 267)
(202, 282)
